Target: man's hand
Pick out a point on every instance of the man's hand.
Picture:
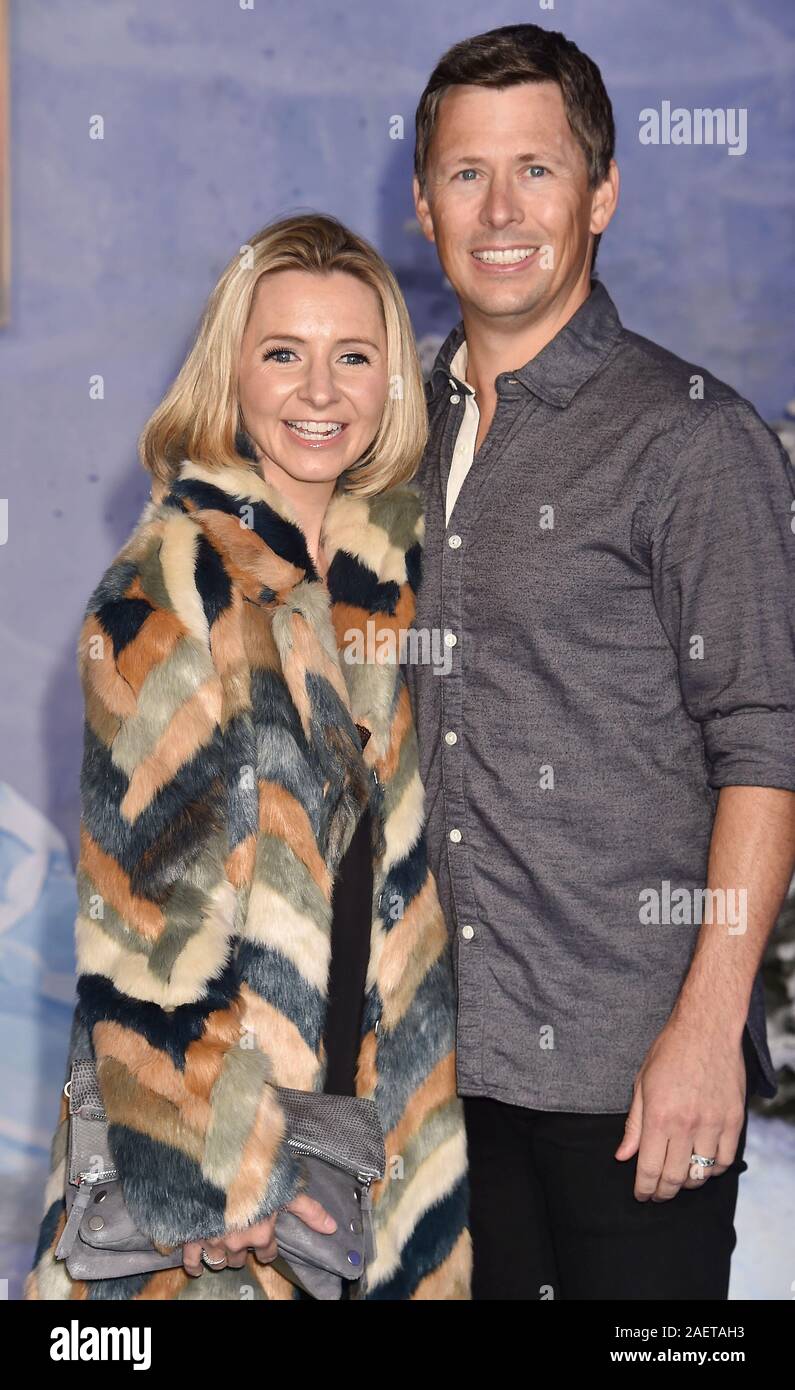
(233, 1247)
(689, 1097)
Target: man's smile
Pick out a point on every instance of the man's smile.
(505, 258)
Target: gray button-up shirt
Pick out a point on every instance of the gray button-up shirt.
(617, 579)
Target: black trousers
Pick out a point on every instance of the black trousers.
(553, 1213)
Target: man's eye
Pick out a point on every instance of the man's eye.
(273, 353)
(462, 173)
(536, 169)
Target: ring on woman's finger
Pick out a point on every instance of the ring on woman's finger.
(212, 1264)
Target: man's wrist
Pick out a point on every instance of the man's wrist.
(709, 1015)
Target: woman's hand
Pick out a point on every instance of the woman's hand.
(231, 1250)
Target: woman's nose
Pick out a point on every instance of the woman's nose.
(318, 386)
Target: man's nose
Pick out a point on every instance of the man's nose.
(501, 205)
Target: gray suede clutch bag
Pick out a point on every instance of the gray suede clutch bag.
(340, 1142)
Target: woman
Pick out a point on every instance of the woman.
(243, 764)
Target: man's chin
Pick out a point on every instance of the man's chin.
(503, 301)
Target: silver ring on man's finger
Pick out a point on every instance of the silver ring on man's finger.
(212, 1264)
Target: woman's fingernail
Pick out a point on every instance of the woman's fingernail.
(329, 1223)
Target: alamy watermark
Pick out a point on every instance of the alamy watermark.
(382, 646)
(678, 125)
(685, 907)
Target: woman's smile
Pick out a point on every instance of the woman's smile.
(316, 434)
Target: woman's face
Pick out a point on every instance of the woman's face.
(313, 372)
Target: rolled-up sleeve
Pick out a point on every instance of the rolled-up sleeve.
(722, 549)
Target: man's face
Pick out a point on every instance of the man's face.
(505, 174)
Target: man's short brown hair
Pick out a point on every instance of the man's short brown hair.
(525, 53)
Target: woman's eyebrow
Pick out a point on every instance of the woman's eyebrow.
(291, 338)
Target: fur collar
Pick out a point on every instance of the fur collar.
(384, 533)
(374, 549)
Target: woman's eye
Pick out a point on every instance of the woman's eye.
(281, 354)
(273, 353)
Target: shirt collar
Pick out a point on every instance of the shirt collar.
(459, 363)
(558, 371)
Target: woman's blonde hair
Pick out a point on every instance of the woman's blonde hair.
(199, 418)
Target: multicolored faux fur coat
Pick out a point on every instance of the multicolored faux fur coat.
(223, 777)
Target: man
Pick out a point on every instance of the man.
(608, 552)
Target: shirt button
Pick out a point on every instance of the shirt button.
(453, 542)
(467, 933)
(455, 398)
(450, 639)
(451, 737)
(455, 836)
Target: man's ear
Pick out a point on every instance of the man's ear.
(422, 210)
(605, 200)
